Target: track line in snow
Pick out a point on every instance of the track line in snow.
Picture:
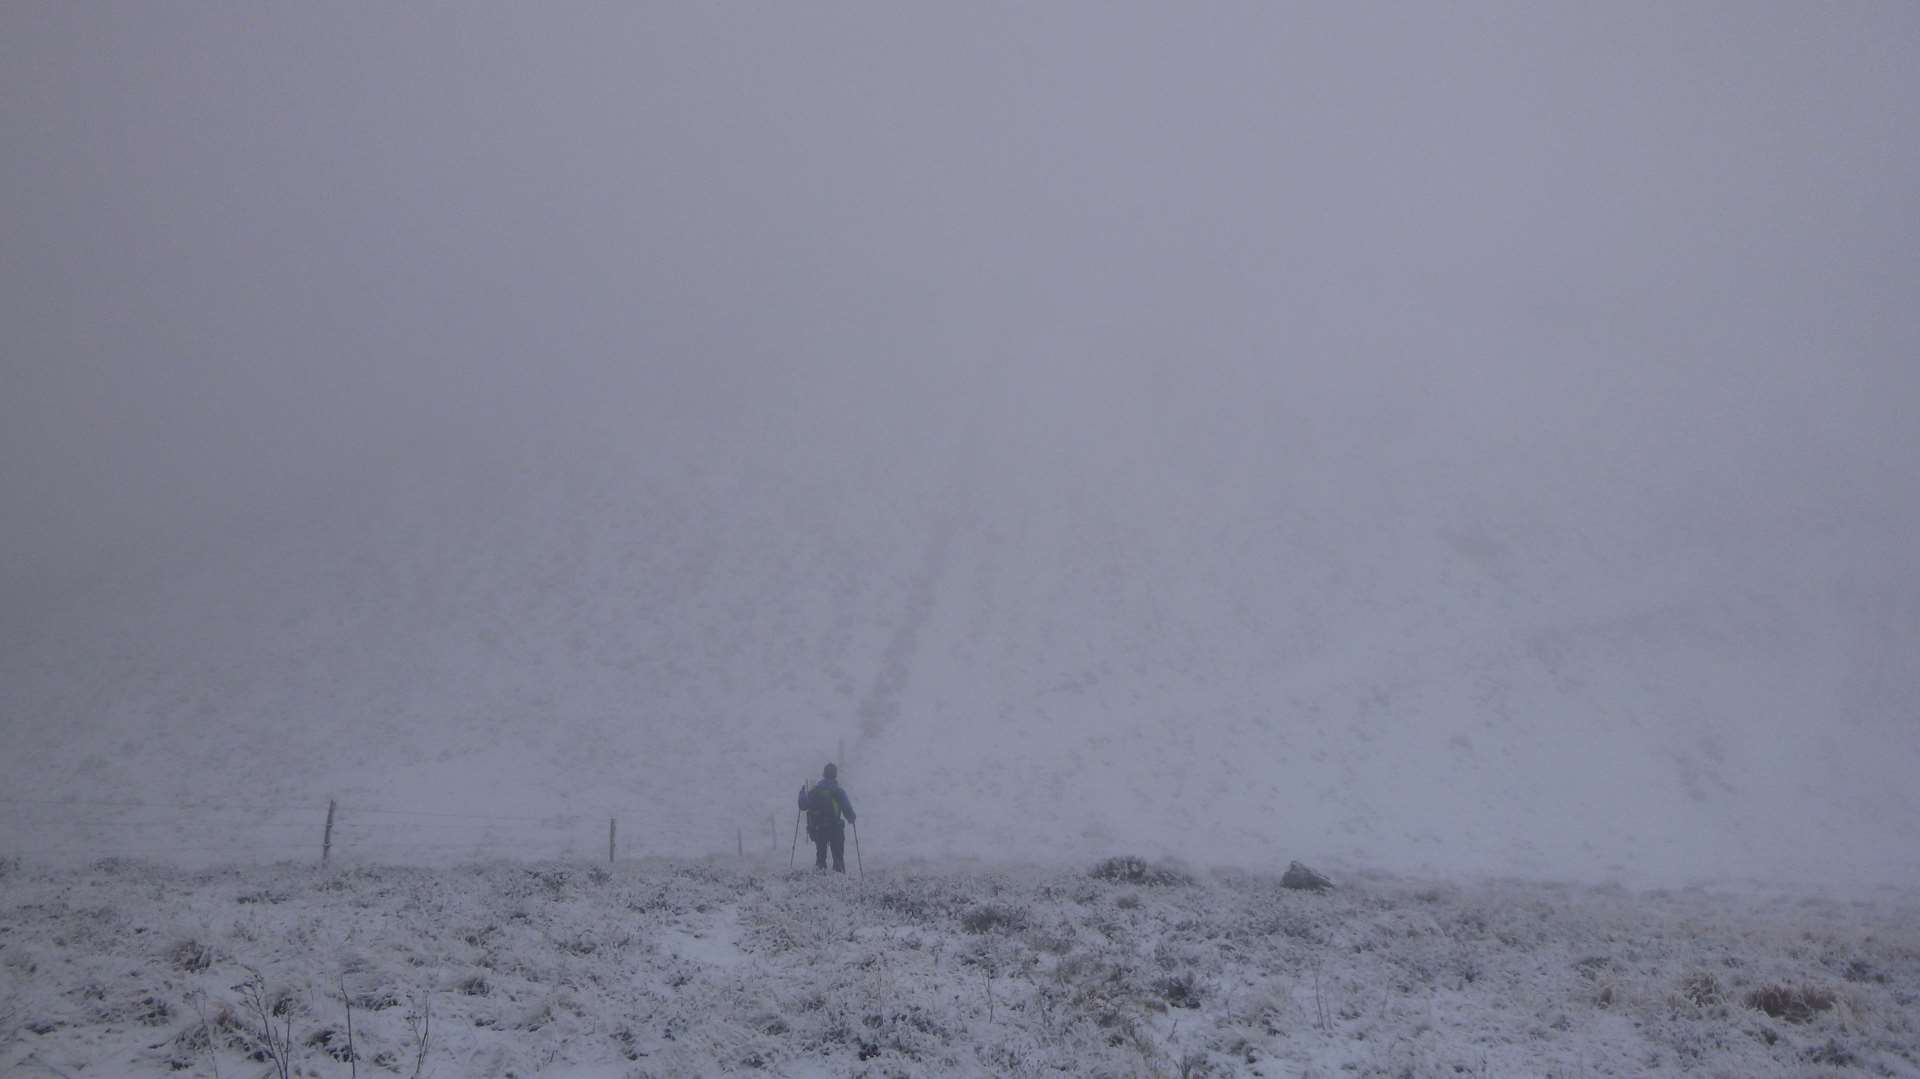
(880, 709)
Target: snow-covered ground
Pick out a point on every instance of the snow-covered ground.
(679, 968)
(1290, 680)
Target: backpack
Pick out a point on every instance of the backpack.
(823, 808)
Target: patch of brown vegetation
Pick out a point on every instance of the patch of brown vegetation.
(1793, 1003)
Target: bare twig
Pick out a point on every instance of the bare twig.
(353, 1058)
(199, 998)
(279, 1042)
(420, 1022)
(1319, 1007)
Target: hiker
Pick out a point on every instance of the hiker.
(825, 803)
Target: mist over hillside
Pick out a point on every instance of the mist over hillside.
(1232, 667)
(1423, 442)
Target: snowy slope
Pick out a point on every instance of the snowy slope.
(1038, 650)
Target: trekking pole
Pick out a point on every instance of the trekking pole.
(796, 839)
(856, 852)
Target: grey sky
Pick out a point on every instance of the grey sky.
(254, 257)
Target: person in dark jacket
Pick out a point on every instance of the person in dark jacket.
(826, 803)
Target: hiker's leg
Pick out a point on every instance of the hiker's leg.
(820, 853)
(839, 852)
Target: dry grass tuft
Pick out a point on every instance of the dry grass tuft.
(1127, 869)
(1793, 1003)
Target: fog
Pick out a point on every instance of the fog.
(1250, 343)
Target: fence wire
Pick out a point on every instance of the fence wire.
(243, 832)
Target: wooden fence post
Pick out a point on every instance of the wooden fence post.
(326, 838)
(612, 826)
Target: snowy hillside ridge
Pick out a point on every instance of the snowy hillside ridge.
(572, 645)
(684, 968)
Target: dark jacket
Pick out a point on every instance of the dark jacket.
(825, 803)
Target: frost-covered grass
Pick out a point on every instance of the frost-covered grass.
(695, 968)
